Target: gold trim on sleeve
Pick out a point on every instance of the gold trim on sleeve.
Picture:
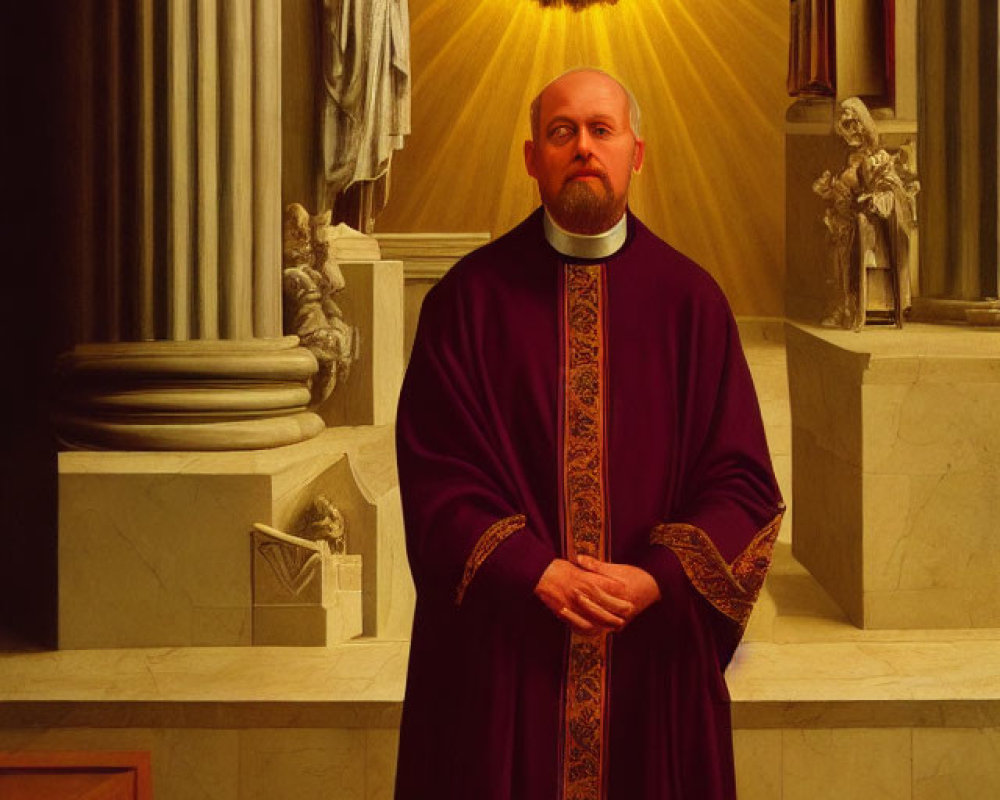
(486, 544)
(732, 589)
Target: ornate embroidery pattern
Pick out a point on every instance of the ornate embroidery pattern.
(584, 431)
(732, 589)
(485, 545)
(585, 518)
(585, 689)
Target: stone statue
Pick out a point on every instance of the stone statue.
(310, 280)
(365, 52)
(871, 217)
(323, 522)
(296, 559)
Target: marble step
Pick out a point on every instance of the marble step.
(851, 717)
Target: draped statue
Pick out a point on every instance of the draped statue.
(365, 56)
(871, 219)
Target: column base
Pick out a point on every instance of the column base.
(191, 395)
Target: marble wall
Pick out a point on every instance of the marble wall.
(359, 763)
(885, 763)
(246, 764)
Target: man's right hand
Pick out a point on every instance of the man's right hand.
(590, 603)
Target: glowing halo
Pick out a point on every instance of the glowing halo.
(576, 5)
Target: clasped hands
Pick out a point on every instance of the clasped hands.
(596, 597)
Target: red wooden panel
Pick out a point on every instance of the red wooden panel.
(75, 775)
(46, 784)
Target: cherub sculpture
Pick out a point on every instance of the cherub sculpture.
(310, 279)
(295, 558)
(324, 522)
(870, 216)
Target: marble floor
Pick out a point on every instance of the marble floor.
(821, 709)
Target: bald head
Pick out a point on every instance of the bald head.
(535, 110)
(584, 149)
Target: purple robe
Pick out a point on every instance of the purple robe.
(552, 407)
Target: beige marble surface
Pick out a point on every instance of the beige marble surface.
(763, 345)
(147, 559)
(302, 763)
(921, 339)
(819, 705)
(889, 762)
(381, 745)
(956, 764)
(758, 756)
(799, 648)
(361, 671)
(773, 684)
(319, 763)
(896, 454)
(154, 547)
(373, 302)
(835, 764)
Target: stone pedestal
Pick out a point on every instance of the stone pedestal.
(372, 301)
(303, 595)
(426, 258)
(155, 548)
(896, 472)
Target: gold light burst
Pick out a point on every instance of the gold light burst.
(709, 76)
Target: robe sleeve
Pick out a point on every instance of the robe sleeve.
(723, 528)
(467, 535)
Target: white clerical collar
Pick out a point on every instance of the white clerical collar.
(581, 245)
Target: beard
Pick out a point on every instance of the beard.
(579, 209)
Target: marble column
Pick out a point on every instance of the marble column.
(958, 156)
(179, 282)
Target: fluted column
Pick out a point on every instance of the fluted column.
(958, 155)
(180, 332)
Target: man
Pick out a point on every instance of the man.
(588, 497)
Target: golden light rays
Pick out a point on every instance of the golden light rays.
(709, 76)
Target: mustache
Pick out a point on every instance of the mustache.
(571, 184)
(588, 171)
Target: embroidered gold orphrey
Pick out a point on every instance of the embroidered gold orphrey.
(585, 517)
(486, 544)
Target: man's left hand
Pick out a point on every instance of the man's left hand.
(641, 587)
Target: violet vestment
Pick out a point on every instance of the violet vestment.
(554, 407)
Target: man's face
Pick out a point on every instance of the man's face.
(585, 152)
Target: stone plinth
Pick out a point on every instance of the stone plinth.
(302, 593)
(426, 258)
(372, 301)
(896, 469)
(155, 550)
